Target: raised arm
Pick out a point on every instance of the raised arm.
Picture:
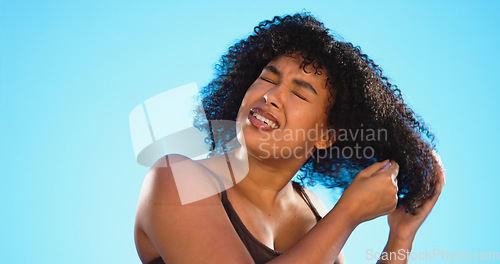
(323, 211)
(404, 226)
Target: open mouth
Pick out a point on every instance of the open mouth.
(263, 118)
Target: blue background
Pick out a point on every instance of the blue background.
(71, 72)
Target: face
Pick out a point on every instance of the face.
(283, 113)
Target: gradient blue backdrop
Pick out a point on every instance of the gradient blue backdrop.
(71, 72)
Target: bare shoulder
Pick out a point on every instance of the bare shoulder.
(317, 202)
(179, 210)
(178, 179)
(174, 181)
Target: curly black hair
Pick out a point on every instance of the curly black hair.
(361, 97)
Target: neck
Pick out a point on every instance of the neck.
(268, 181)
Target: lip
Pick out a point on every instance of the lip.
(259, 124)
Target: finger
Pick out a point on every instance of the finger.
(370, 170)
(440, 183)
(438, 159)
(394, 170)
(392, 167)
(395, 181)
(429, 204)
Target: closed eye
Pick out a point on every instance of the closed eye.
(294, 92)
(267, 80)
(300, 96)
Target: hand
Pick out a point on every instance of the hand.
(404, 225)
(373, 192)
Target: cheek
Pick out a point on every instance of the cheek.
(308, 117)
(309, 121)
(253, 94)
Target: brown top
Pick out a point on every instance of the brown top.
(258, 250)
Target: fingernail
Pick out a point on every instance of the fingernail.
(387, 165)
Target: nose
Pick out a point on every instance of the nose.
(272, 97)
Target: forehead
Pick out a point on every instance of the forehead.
(296, 65)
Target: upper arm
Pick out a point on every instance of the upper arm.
(322, 210)
(196, 232)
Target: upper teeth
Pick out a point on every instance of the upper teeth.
(265, 120)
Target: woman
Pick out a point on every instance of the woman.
(290, 78)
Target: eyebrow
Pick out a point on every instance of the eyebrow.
(272, 69)
(301, 83)
(305, 85)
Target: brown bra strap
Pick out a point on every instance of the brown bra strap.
(306, 198)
